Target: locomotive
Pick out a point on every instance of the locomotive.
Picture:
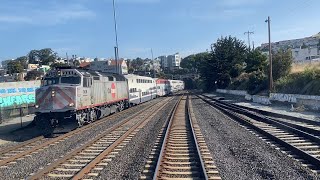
(69, 98)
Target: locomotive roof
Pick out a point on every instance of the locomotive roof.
(98, 73)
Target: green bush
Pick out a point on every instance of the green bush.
(306, 82)
(258, 81)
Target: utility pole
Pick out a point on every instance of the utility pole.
(249, 32)
(154, 70)
(116, 48)
(270, 57)
(67, 58)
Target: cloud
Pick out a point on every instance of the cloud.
(234, 3)
(138, 1)
(14, 19)
(49, 14)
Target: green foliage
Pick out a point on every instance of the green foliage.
(281, 64)
(33, 75)
(256, 61)
(192, 63)
(136, 64)
(55, 65)
(23, 60)
(44, 56)
(306, 82)
(14, 67)
(226, 61)
(188, 62)
(258, 81)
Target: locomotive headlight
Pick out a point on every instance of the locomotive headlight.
(36, 106)
(71, 104)
(53, 93)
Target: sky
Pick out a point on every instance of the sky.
(85, 27)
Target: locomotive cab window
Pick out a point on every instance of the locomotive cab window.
(70, 80)
(87, 82)
(110, 78)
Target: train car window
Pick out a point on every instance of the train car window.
(50, 81)
(110, 78)
(96, 78)
(70, 80)
(86, 82)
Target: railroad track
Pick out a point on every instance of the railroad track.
(295, 140)
(13, 154)
(88, 160)
(310, 126)
(180, 151)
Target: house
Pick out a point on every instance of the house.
(109, 66)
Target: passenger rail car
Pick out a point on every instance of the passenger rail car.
(69, 98)
(162, 87)
(175, 86)
(141, 89)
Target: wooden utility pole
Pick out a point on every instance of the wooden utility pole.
(249, 32)
(270, 57)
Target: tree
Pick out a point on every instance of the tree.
(189, 62)
(54, 65)
(256, 61)
(44, 56)
(47, 56)
(137, 63)
(281, 64)
(14, 67)
(33, 57)
(33, 75)
(225, 61)
(23, 60)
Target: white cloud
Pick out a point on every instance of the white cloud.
(55, 14)
(233, 3)
(138, 1)
(14, 19)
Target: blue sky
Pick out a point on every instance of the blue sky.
(85, 27)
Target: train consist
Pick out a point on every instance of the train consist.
(69, 98)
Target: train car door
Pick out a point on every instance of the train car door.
(84, 93)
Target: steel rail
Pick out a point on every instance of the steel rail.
(67, 135)
(195, 139)
(288, 126)
(267, 113)
(314, 161)
(52, 166)
(166, 139)
(6, 150)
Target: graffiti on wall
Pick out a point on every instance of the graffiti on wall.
(17, 100)
(17, 96)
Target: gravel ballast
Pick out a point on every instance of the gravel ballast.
(130, 162)
(32, 164)
(239, 154)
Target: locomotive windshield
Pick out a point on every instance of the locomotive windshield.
(50, 81)
(63, 80)
(70, 80)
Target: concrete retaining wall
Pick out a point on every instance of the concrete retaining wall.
(14, 94)
(261, 100)
(233, 92)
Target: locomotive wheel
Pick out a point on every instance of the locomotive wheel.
(45, 126)
(121, 106)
